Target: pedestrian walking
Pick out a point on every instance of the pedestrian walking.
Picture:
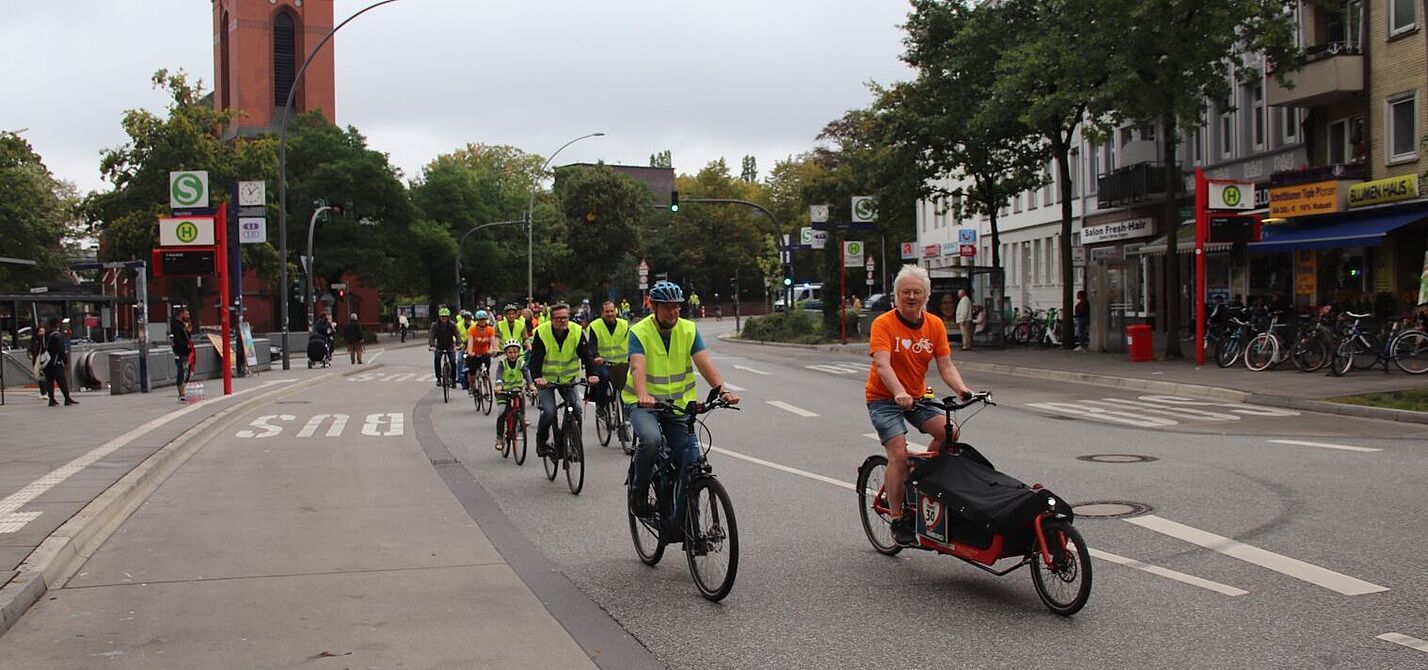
(403, 324)
(40, 359)
(352, 332)
(181, 339)
(57, 370)
(1082, 313)
(964, 318)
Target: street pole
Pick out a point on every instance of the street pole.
(530, 218)
(462, 241)
(311, 266)
(283, 176)
(778, 238)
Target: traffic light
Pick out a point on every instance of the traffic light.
(341, 293)
(674, 201)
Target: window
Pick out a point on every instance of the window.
(1050, 184)
(1402, 16)
(1147, 132)
(1053, 254)
(1290, 129)
(1257, 108)
(1403, 127)
(1031, 200)
(1227, 131)
(1109, 158)
(1199, 145)
(1127, 134)
(1093, 169)
(1338, 144)
(1036, 261)
(1016, 204)
(284, 57)
(1073, 169)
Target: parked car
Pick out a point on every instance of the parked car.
(876, 304)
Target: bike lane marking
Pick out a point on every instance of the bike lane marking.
(1404, 641)
(12, 520)
(734, 387)
(1264, 558)
(784, 468)
(749, 369)
(1169, 574)
(1325, 445)
(792, 409)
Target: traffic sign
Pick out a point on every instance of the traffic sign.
(1231, 195)
(967, 250)
(188, 189)
(852, 254)
(252, 230)
(186, 231)
(865, 209)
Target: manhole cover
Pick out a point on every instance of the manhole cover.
(1110, 509)
(1116, 458)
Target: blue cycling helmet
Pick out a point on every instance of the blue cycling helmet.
(666, 291)
(481, 315)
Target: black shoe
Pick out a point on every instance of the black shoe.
(68, 402)
(902, 532)
(640, 504)
(543, 449)
(54, 404)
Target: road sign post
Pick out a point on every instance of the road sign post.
(225, 300)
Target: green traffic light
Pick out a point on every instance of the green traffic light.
(788, 281)
(674, 208)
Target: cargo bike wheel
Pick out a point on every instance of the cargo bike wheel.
(876, 524)
(1064, 585)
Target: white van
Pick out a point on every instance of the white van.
(801, 292)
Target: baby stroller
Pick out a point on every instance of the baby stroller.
(319, 351)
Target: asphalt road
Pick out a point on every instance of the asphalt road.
(812, 593)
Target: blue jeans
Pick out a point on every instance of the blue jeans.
(545, 398)
(1083, 330)
(651, 428)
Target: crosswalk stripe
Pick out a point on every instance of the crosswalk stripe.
(1169, 574)
(1284, 565)
(1325, 445)
(1405, 641)
(790, 408)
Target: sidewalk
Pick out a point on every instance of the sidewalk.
(1282, 386)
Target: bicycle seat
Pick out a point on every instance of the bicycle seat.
(1356, 316)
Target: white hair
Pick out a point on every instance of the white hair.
(914, 272)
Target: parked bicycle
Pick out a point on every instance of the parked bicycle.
(691, 507)
(568, 450)
(1269, 347)
(1314, 346)
(1405, 347)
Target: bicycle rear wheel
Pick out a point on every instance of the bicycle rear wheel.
(1021, 334)
(875, 524)
(1310, 353)
(574, 456)
(1366, 352)
(603, 429)
(645, 532)
(551, 460)
(1065, 585)
(1410, 352)
(1261, 352)
(711, 538)
(1343, 359)
(1227, 351)
(622, 426)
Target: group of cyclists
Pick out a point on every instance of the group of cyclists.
(655, 360)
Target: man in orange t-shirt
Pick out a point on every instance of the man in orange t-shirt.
(903, 343)
(480, 338)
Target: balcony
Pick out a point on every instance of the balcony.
(1329, 73)
(1130, 184)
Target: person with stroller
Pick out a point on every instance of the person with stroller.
(319, 348)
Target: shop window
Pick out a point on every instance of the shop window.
(1402, 16)
(1402, 123)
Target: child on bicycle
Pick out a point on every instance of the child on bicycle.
(510, 371)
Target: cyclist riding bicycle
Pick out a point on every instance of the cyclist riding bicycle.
(480, 338)
(903, 342)
(558, 352)
(511, 373)
(443, 340)
(463, 323)
(513, 327)
(664, 352)
(610, 339)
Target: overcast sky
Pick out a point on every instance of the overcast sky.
(421, 77)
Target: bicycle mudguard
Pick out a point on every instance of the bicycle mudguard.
(973, 490)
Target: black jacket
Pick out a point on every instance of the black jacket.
(55, 344)
(352, 332)
(182, 340)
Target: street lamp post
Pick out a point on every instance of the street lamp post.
(530, 219)
(311, 262)
(462, 241)
(283, 174)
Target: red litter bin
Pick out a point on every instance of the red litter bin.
(1138, 343)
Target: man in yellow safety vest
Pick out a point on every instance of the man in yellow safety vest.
(558, 352)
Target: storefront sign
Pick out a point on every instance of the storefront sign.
(1381, 191)
(930, 250)
(1118, 230)
(908, 250)
(1106, 254)
(949, 248)
(1324, 197)
(1078, 257)
(1304, 273)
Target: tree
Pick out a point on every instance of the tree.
(1171, 56)
(661, 159)
(36, 213)
(750, 170)
(950, 120)
(603, 213)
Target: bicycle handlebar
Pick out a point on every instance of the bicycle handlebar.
(953, 403)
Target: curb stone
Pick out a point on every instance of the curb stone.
(65, 550)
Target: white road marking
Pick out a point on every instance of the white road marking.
(10, 522)
(339, 422)
(1101, 414)
(748, 369)
(1284, 565)
(790, 408)
(372, 355)
(1169, 574)
(1325, 445)
(840, 369)
(262, 424)
(912, 447)
(784, 468)
(1404, 641)
(733, 387)
(395, 425)
(1180, 412)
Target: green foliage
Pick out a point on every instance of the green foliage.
(36, 211)
(604, 212)
(799, 326)
(662, 159)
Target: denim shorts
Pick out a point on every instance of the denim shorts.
(888, 418)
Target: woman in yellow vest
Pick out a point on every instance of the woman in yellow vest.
(558, 352)
(664, 352)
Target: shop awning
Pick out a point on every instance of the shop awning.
(1184, 242)
(1363, 230)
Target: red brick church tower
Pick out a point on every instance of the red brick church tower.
(258, 46)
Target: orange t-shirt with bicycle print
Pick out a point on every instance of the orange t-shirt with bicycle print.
(912, 352)
(480, 340)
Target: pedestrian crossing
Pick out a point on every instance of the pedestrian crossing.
(1157, 411)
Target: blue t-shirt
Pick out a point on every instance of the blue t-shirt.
(637, 348)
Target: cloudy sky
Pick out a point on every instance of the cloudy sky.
(421, 77)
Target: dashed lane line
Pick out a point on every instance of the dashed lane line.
(1169, 574)
(792, 409)
(1284, 565)
(784, 468)
(733, 387)
(1404, 641)
(1325, 445)
(753, 370)
(912, 447)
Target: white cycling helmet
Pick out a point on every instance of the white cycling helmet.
(511, 343)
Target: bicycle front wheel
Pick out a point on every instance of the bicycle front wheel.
(1064, 585)
(519, 447)
(574, 457)
(875, 524)
(1410, 352)
(1261, 352)
(1343, 360)
(1311, 353)
(486, 393)
(603, 428)
(711, 538)
(445, 383)
(1227, 351)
